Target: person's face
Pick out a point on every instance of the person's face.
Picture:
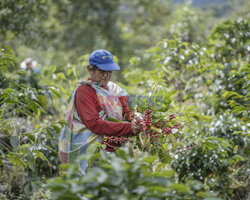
(29, 65)
(100, 76)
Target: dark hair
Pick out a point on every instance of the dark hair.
(93, 67)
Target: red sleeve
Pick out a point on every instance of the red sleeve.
(87, 108)
(125, 109)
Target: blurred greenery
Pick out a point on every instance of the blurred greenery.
(193, 55)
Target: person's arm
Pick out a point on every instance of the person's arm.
(86, 105)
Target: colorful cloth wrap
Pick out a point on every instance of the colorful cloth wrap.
(75, 138)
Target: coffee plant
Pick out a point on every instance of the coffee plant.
(213, 81)
(27, 151)
(122, 176)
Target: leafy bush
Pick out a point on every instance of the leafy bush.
(27, 150)
(122, 176)
(212, 80)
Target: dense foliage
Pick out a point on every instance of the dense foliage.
(189, 93)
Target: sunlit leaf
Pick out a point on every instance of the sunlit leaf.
(14, 141)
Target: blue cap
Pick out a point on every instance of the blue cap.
(103, 60)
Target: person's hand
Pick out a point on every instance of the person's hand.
(135, 128)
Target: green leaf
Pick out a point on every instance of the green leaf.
(42, 100)
(63, 90)
(158, 189)
(16, 160)
(164, 155)
(57, 129)
(26, 190)
(93, 148)
(33, 105)
(181, 188)
(25, 73)
(237, 132)
(50, 131)
(14, 141)
(201, 194)
(31, 137)
(173, 141)
(236, 149)
(62, 123)
(9, 48)
(164, 174)
(40, 155)
(150, 159)
(55, 91)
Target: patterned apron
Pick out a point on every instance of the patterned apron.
(75, 138)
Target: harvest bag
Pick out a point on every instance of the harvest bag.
(75, 138)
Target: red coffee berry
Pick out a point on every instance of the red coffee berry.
(171, 116)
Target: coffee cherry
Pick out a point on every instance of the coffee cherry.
(166, 130)
(171, 116)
